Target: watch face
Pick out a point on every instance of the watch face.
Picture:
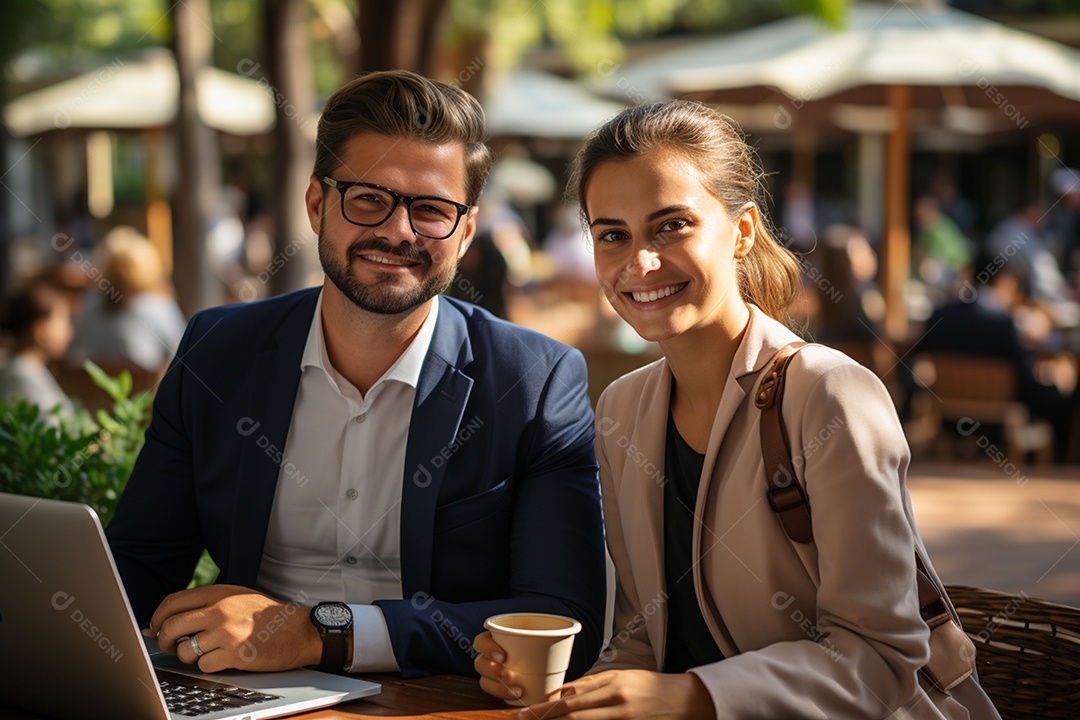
(334, 615)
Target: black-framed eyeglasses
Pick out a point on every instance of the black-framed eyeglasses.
(367, 204)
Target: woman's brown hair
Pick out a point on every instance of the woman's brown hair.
(768, 276)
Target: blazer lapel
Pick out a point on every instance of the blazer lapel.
(761, 341)
(441, 395)
(644, 444)
(273, 384)
(732, 398)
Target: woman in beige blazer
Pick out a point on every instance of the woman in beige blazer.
(717, 612)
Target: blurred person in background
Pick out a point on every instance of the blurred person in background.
(984, 323)
(1064, 221)
(848, 301)
(954, 204)
(225, 239)
(567, 244)
(941, 250)
(484, 274)
(1020, 240)
(131, 316)
(799, 218)
(36, 321)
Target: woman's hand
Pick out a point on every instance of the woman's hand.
(625, 694)
(495, 679)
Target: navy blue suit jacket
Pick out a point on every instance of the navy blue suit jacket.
(500, 504)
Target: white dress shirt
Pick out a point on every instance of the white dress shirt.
(335, 527)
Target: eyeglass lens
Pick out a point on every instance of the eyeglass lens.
(430, 217)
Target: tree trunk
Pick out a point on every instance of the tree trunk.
(289, 72)
(199, 183)
(402, 34)
(432, 20)
(7, 229)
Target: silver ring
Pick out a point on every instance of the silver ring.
(194, 645)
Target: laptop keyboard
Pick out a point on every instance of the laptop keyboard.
(191, 697)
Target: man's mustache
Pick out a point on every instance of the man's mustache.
(405, 251)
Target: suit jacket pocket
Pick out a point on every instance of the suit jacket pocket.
(473, 508)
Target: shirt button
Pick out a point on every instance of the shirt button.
(351, 493)
(361, 418)
(350, 560)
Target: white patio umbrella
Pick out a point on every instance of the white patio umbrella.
(899, 43)
(892, 65)
(532, 103)
(141, 93)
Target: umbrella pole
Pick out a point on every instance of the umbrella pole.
(896, 245)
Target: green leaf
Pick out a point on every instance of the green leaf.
(101, 379)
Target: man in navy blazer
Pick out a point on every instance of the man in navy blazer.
(498, 508)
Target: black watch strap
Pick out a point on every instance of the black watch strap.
(335, 650)
(334, 622)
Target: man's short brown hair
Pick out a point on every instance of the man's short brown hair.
(400, 103)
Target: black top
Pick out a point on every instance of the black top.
(689, 643)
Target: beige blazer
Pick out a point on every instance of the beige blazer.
(828, 630)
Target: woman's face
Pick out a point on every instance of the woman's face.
(665, 247)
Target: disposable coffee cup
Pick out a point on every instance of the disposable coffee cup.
(537, 648)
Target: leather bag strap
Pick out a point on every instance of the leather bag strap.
(952, 654)
(785, 494)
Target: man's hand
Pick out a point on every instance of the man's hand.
(626, 694)
(495, 679)
(236, 628)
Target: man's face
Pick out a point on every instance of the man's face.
(389, 269)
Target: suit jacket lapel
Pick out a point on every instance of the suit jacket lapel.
(441, 395)
(273, 383)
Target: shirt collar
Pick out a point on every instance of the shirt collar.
(406, 369)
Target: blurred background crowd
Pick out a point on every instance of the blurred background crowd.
(919, 156)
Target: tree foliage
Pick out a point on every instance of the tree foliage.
(591, 31)
(81, 29)
(23, 22)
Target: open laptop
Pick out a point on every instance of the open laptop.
(70, 646)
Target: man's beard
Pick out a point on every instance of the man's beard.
(381, 296)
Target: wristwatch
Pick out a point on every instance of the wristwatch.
(334, 622)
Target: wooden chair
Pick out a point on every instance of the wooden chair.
(961, 387)
(1027, 652)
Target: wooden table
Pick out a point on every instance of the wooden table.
(443, 697)
(440, 697)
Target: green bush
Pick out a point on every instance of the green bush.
(84, 458)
